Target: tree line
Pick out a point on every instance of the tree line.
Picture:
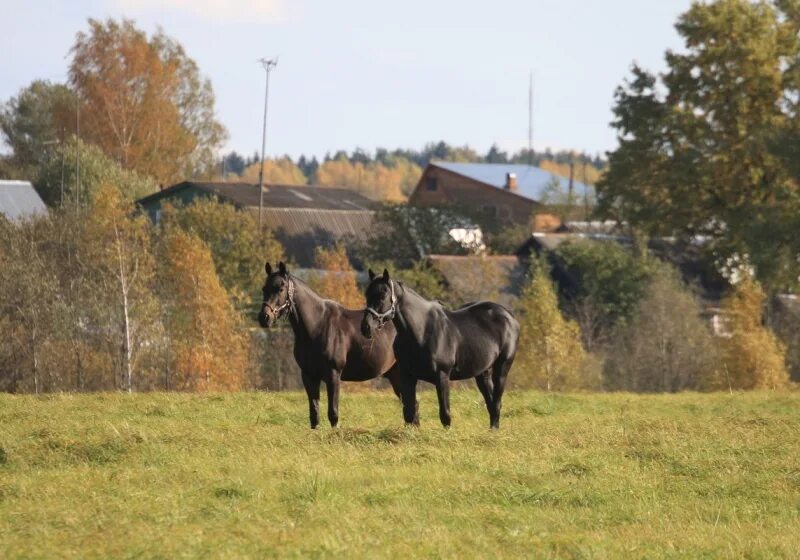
(391, 175)
(98, 298)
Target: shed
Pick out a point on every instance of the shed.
(19, 200)
(301, 217)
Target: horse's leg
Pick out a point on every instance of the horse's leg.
(395, 378)
(393, 375)
(311, 383)
(443, 392)
(485, 385)
(333, 385)
(499, 375)
(408, 388)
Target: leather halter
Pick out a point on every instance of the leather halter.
(389, 314)
(289, 303)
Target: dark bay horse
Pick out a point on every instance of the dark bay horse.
(436, 345)
(328, 344)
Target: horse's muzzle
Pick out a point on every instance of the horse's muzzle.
(366, 328)
(265, 320)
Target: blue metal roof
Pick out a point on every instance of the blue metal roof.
(531, 181)
(18, 199)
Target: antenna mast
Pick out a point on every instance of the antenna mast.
(530, 119)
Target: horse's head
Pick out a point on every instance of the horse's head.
(278, 294)
(381, 303)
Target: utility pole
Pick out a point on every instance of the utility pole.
(268, 65)
(585, 192)
(77, 156)
(530, 119)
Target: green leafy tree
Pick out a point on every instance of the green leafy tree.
(30, 309)
(703, 147)
(550, 354)
(607, 284)
(36, 121)
(666, 346)
(405, 234)
(232, 237)
(60, 174)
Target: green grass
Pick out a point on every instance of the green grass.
(241, 475)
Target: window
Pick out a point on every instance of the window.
(431, 183)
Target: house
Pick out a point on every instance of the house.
(508, 192)
(301, 217)
(19, 200)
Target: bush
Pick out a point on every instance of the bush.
(753, 357)
(666, 346)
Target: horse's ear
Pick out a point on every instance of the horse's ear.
(268, 268)
(386, 274)
(282, 268)
(371, 275)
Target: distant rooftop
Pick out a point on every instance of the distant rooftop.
(531, 180)
(18, 199)
(275, 196)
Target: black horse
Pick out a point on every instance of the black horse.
(328, 345)
(436, 345)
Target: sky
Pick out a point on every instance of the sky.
(366, 74)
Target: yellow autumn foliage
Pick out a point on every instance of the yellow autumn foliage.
(337, 281)
(753, 357)
(374, 180)
(209, 351)
(592, 174)
(550, 354)
(281, 171)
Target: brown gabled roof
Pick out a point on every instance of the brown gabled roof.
(275, 196)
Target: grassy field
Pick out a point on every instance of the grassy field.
(241, 475)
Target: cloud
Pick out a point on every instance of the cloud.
(223, 11)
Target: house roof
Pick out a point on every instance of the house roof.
(275, 196)
(18, 199)
(472, 278)
(531, 181)
(302, 230)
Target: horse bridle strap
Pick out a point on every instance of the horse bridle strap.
(389, 314)
(288, 303)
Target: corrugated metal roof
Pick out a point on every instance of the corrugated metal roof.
(531, 180)
(18, 199)
(302, 230)
(277, 196)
